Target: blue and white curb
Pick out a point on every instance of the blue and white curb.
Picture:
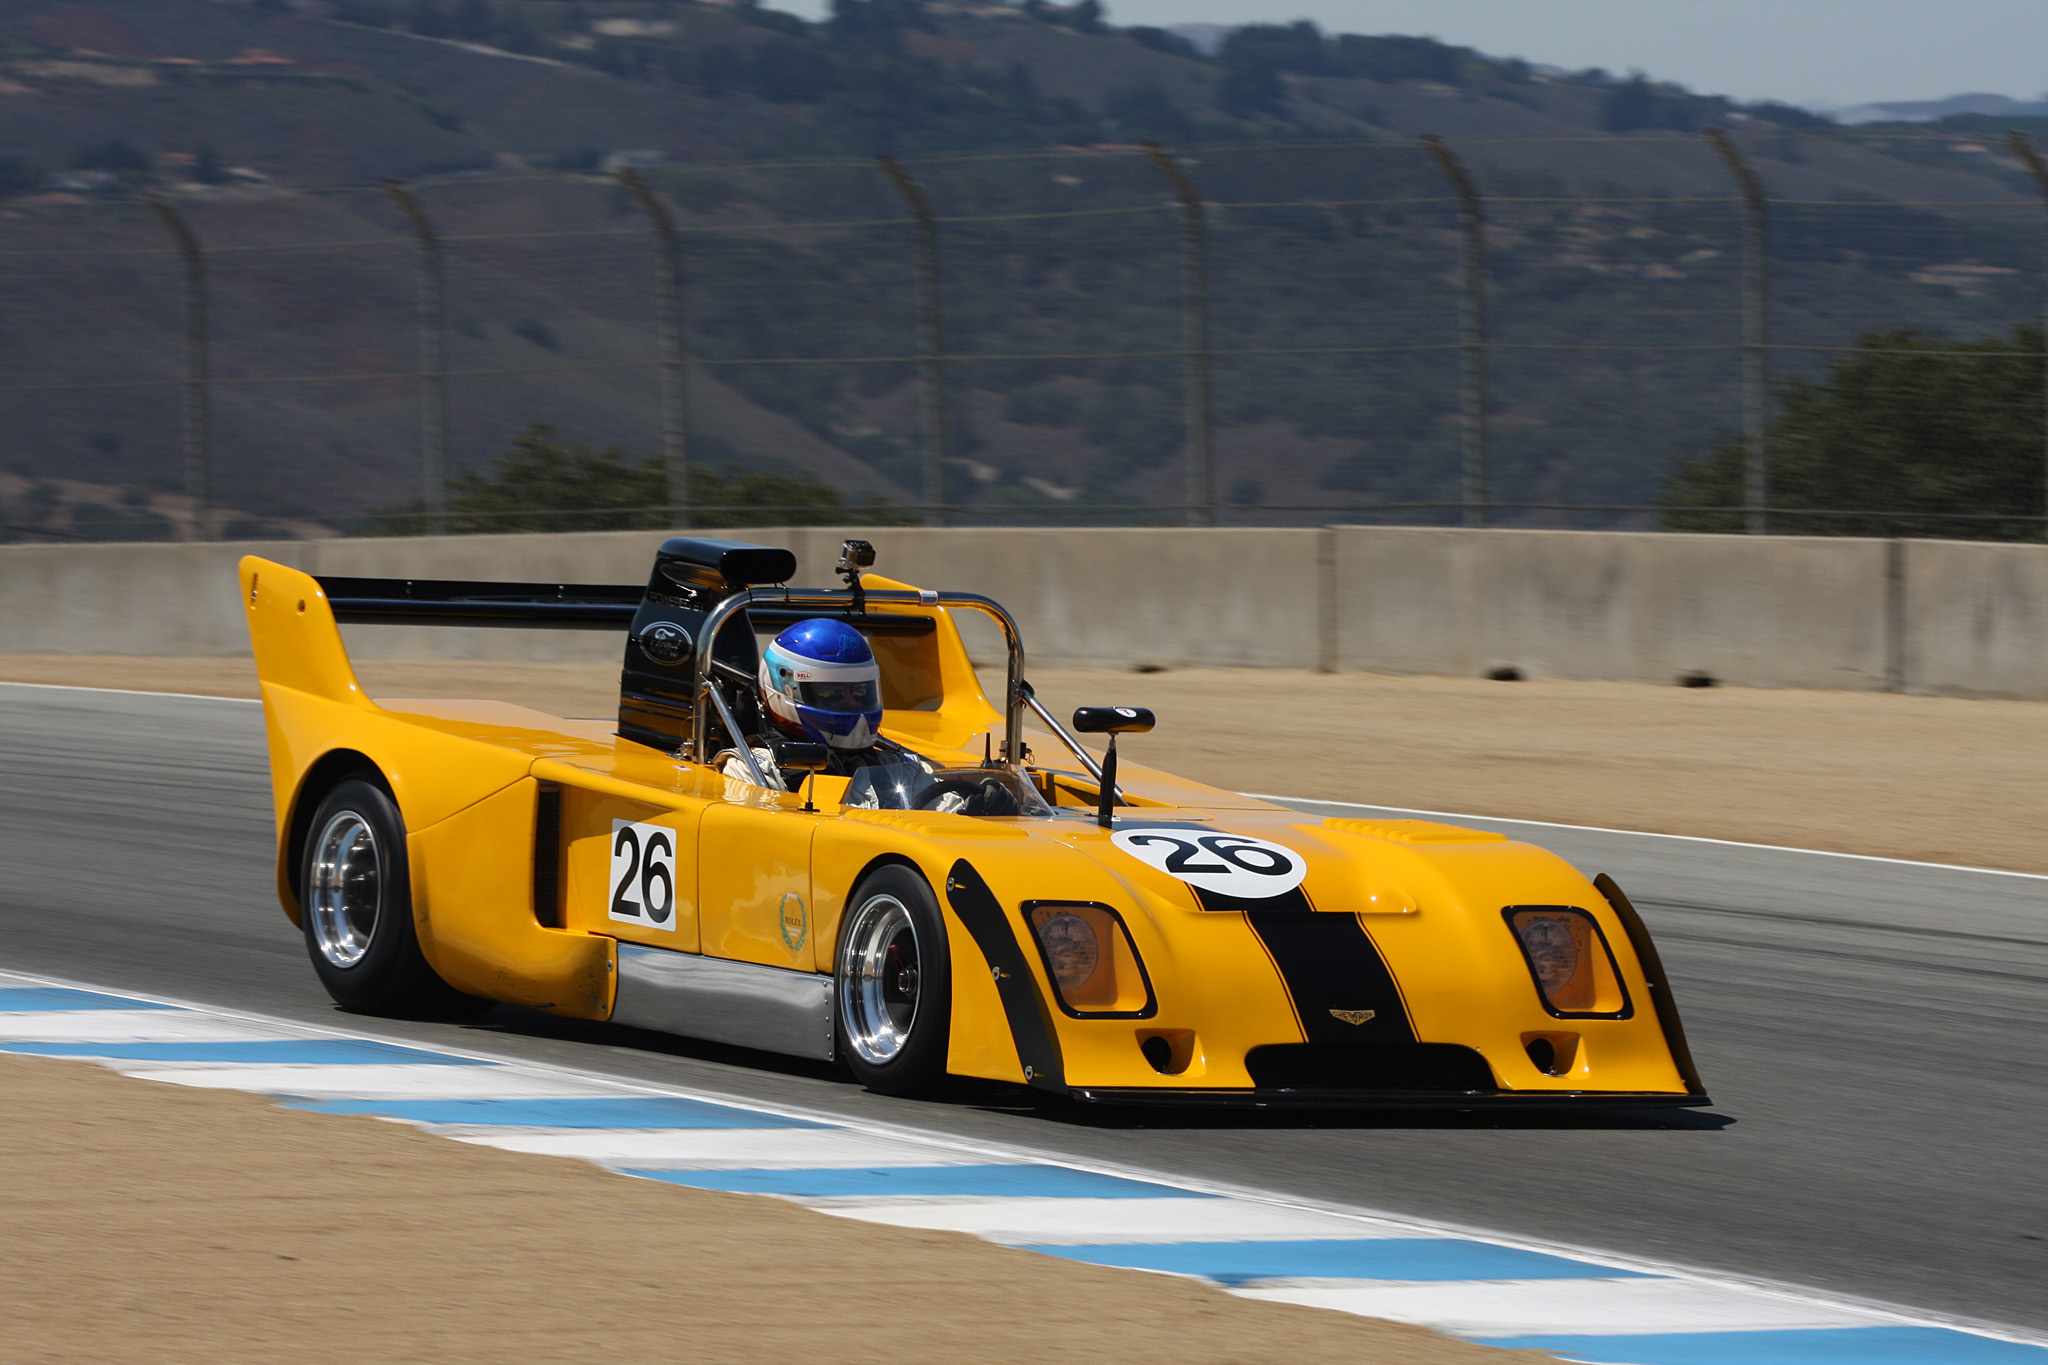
(1581, 1305)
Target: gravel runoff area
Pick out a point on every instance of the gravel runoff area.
(1929, 778)
(152, 1222)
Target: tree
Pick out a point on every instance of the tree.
(1907, 429)
(1298, 48)
(1636, 104)
(546, 484)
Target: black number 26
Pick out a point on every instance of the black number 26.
(646, 872)
(1238, 852)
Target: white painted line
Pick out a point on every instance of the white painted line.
(133, 692)
(1501, 1308)
(326, 1081)
(1085, 1222)
(130, 1026)
(1403, 811)
(710, 1148)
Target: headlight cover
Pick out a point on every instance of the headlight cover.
(1095, 972)
(1569, 958)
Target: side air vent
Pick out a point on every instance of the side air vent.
(547, 856)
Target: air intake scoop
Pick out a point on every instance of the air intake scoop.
(723, 566)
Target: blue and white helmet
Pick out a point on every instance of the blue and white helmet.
(819, 680)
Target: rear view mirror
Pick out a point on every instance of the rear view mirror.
(803, 757)
(1113, 720)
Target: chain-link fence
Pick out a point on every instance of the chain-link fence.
(1583, 331)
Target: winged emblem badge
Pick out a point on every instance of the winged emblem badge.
(1353, 1016)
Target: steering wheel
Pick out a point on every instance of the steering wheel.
(983, 795)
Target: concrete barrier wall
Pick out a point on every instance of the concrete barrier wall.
(1923, 616)
(1765, 611)
(1977, 618)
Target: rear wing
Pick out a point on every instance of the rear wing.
(456, 602)
(545, 606)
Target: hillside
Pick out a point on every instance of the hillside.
(270, 122)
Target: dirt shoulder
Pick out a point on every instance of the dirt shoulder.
(1929, 778)
(150, 1222)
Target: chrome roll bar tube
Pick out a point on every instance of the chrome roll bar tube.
(1065, 737)
(707, 698)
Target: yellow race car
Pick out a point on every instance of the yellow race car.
(967, 907)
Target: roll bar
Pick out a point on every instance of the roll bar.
(853, 603)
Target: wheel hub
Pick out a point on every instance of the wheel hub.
(879, 993)
(345, 885)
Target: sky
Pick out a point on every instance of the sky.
(1822, 53)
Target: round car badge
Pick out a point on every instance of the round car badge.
(665, 643)
(1226, 864)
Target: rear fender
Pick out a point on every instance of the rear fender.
(472, 904)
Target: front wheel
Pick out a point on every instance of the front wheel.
(355, 907)
(894, 984)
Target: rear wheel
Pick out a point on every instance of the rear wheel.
(355, 908)
(894, 985)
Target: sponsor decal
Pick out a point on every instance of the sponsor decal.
(665, 643)
(1223, 864)
(796, 921)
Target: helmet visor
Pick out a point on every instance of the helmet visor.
(865, 695)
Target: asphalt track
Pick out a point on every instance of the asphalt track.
(1875, 1034)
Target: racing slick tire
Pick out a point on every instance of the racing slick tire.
(893, 986)
(355, 909)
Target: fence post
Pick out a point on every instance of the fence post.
(198, 377)
(675, 360)
(1756, 340)
(1477, 493)
(930, 335)
(433, 324)
(1200, 402)
(2023, 148)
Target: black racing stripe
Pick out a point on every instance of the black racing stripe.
(1031, 1026)
(1293, 902)
(1660, 984)
(1330, 964)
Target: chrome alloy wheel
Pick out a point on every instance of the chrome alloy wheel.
(879, 991)
(346, 883)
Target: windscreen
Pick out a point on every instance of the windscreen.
(950, 791)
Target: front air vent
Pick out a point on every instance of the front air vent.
(1406, 1068)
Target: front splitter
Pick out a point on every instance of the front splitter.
(1385, 1099)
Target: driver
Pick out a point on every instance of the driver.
(819, 683)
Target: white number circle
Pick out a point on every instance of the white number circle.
(1227, 864)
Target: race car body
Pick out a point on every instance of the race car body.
(967, 907)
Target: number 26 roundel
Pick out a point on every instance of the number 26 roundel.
(643, 877)
(1227, 864)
